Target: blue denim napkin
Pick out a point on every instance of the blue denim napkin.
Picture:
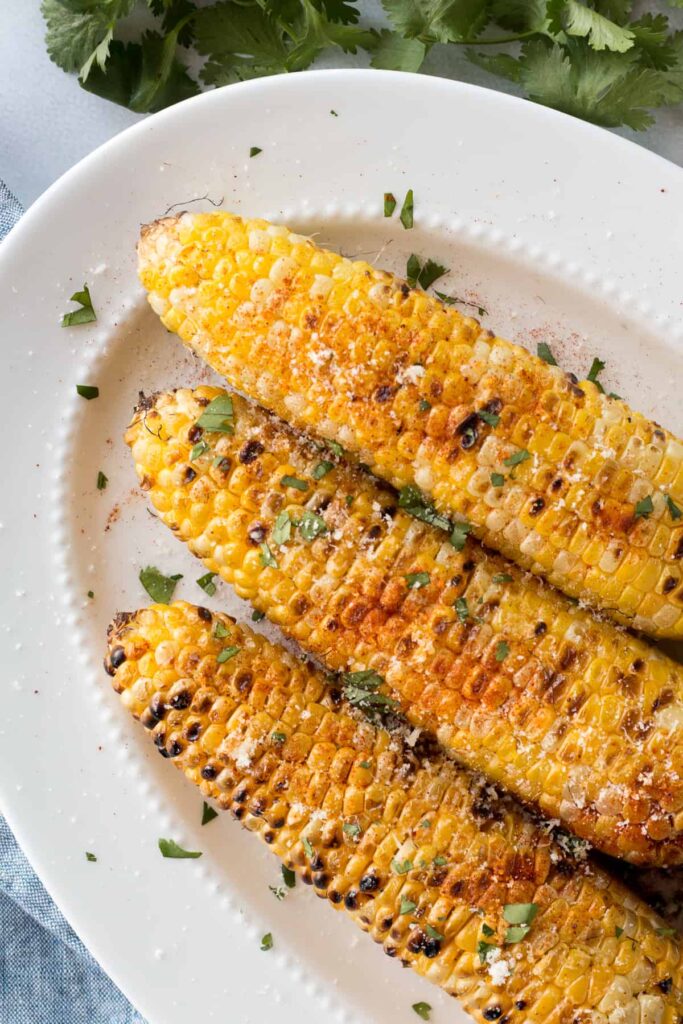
(47, 975)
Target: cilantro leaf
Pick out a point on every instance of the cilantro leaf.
(85, 315)
(441, 21)
(79, 34)
(169, 848)
(575, 19)
(423, 274)
(644, 508)
(208, 813)
(394, 52)
(159, 587)
(145, 76)
(241, 42)
(544, 352)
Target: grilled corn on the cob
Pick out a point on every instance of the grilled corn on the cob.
(437, 869)
(563, 479)
(569, 713)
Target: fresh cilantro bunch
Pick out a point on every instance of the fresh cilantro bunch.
(594, 59)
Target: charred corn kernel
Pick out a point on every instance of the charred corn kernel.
(571, 714)
(481, 853)
(353, 354)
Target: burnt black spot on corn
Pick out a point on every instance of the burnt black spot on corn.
(243, 295)
(553, 721)
(570, 963)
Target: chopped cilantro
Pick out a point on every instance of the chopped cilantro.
(351, 829)
(365, 764)
(440, 861)
(88, 391)
(360, 689)
(266, 557)
(349, 500)
(389, 203)
(311, 525)
(321, 469)
(543, 351)
(644, 508)
(492, 418)
(334, 113)
(497, 479)
(226, 654)
(169, 848)
(425, 824)
(519, 916)
(85, 315)
(266, 942)
(433, 933)
(102, 481)
(502, 577)
(666, 933)
(208, 813)
(402, 867)
(293, 481)
(278, 737)
(618, 931)
(91, 593)
(278, 892)
(159, 587)
(90, 856)
(335, 447)
(597, 366)
(487, 930)
(416, 505)
(255, 150)
(282, 529)
(459, 534)
(219, 416)
(423, 1010)
(288, 876)
(407, 209)
(417, 580)
(484, 948)
(200, 448)
(674, 511)
(461, 609)
(424, 405)
(220, 630)
(406, 907)
(423, 275)
(308, 847)
(502, 651)
(517, 457)
(207, 585)
(257, 616)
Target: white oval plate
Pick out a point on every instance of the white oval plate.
(562, 232)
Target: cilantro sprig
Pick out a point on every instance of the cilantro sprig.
(597, 60)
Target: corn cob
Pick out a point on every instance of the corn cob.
(573, 716)
(421, 856)
(564, 480)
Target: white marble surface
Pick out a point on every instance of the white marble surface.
(47, 122)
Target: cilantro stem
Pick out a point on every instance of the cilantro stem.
(496, 41)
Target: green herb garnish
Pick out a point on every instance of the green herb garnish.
(226, 654)
(423, 275)
(266, 557)
(407, 210)
(308, 847)
(257, 616)
(91, 593)
(219, 416)
(85, 315)
(440, 860)
(102, 481)
(618, 931)
(502, 651)
(417, 580)
(200, 448)
(459, 534)
(402, 867)
(666, 933)
(288, 876)
(360, 689)
(492, 418)
(88, 391)
(220, 630)
(311, 525)
(208, 813)
(543, 351)
(282, 529)
(278, 892)
(517, 457)
(266, 942)
(321, 469)
(159, 587)
(416, 505)
(423, 1010)
(389, 203)
(278, 737)
(207, 585)
(502, 577)
(520, 917)
(169, 848)
(597, 366)
(90, 856)
(497, 479)
(293, 481)
(351, 829)
(674, 511)
(406, 907)
(433, 933)
(424, 405)
(644, 508)
(461, 609)
(254, 151)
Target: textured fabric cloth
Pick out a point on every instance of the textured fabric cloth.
(47, 975)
